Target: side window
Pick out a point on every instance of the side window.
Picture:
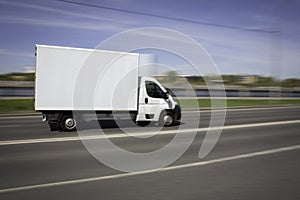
(153, 90)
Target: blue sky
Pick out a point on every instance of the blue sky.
(25, 23)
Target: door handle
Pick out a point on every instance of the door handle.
(146, 100)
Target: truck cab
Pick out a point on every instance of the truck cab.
(156, 104)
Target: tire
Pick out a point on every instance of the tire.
(68, 123)
(166, 118)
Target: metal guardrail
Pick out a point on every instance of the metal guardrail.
(180, 92)
(16, 91)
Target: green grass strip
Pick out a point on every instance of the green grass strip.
(16, 105)
(194, 103)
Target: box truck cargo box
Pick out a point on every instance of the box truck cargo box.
(57, 70)
(65, 80)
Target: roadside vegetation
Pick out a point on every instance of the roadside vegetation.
(229, 80)
(18, 76)
(174, 77)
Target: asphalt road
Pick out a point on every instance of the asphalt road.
(256, 157)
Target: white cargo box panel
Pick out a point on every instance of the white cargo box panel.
(85, 79)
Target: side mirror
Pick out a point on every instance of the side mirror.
(166, 96)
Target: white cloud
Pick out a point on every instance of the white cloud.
(84, 25)
(80, 16)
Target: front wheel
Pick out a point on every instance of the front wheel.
(166, 118)
(68, 123)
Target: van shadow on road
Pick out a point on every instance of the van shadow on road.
(120, 124)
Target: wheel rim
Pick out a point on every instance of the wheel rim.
(70, 123)
(168, 120)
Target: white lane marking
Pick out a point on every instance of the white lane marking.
(177, 167)
(9, 126)
(66, 139)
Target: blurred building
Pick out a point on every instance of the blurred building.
(246, 79)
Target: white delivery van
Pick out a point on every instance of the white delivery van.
(75, 80)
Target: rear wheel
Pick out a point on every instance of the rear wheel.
(68, 123)
(166, 118)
